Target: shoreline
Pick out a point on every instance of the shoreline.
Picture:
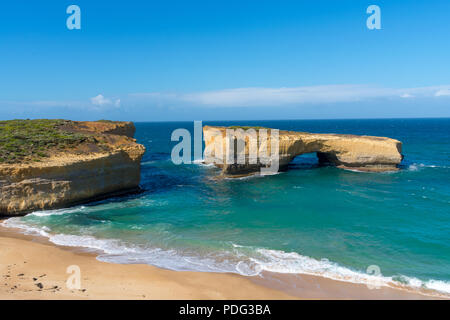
(33, 268)
(28, 260)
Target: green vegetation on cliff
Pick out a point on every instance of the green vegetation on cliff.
(34, 139)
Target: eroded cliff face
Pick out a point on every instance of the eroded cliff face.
(363, 153)
(107, 163)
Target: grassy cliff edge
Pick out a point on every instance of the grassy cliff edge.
(48, 164)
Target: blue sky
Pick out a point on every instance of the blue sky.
(211, 60)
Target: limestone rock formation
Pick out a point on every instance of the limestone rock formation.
(103, 160)
(362, 153)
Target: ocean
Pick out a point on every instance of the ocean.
(388, 229)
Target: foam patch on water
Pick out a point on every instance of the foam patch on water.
(146, 163)
(100, 206)
(239, 259)
(254, 175)
(57, 212)
(201, 162)
(420, 166)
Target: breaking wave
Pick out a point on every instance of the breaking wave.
(247, 261)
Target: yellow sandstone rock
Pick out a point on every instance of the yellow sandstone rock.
(363, 153)
(89, 171)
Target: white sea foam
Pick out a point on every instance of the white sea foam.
(201, 162)
(16, 223)
(438, 285)
(294, 263)
(240, 259)
(419, 166)
(115, 251)
(254, 175)
(56, 212)
(359, 171)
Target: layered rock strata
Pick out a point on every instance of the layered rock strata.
(363, 153)
(106, 163)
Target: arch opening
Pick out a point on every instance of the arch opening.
(304, 161)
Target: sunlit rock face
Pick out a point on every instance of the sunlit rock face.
(363, 153)
(108, 164)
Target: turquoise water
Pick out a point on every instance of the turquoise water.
(314, 220)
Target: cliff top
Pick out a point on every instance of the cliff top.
(33, 141)
(301, 133)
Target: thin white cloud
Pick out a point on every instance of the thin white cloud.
(442, 92)
(284, 96)
(101, 101)
(243, 97)
(258, 97)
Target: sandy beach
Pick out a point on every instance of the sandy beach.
(33, 268)
(36, 270)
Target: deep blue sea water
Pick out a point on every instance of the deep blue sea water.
(309, 220)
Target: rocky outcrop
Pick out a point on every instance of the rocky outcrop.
(363, 153)
(106, 163)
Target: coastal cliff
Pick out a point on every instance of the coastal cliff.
(47, 164)
(362, 153)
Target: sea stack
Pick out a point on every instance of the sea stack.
(362, 153)
(49, 164)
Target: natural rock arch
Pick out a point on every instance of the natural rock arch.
(365, 153)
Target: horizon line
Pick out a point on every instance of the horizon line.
(312, 119)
